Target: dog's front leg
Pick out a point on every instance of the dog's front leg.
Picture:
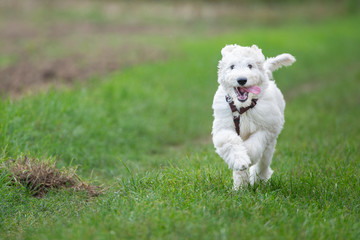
(231, 148)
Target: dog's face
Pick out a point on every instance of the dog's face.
(244, 73)
(241, 72)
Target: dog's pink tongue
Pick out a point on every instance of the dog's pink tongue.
(253, 89)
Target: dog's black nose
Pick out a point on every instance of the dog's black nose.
(242, 81)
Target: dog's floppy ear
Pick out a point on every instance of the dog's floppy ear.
(228, 49)
(277, 62)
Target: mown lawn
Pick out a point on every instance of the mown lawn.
(145, 134)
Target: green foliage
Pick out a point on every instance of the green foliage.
(139, 131)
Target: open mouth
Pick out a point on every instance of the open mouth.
(242, 93)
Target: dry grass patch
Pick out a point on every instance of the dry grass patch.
(40, 176)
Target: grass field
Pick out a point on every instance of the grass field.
(144, 133)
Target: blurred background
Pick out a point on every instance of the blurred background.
(53, 43)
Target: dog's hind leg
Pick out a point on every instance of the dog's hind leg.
(261, 170)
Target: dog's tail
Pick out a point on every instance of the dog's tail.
(277, 62)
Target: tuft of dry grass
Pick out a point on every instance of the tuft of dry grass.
(39, 176)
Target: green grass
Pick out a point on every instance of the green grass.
(143, 132)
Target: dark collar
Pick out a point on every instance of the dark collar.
(231, 103)
(237, 112)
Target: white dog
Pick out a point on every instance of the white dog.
(248, 112)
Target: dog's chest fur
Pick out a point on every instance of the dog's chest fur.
(247, 125)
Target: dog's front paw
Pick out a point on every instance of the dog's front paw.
(241, 163)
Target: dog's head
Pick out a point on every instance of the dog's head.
(244, 73)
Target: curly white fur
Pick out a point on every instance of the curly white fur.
(259, 126)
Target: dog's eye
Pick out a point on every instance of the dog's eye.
(232, 67)
(250, 66)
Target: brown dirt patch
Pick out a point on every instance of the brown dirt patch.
(28, 75)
